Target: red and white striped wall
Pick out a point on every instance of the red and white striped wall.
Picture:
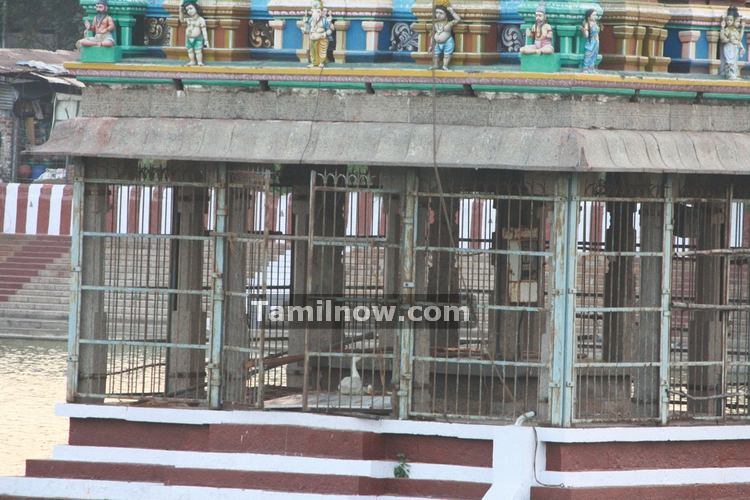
(36, 209)
(131, 452)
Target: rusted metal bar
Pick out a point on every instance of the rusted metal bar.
(407, 273)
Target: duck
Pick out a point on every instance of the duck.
(352, 384)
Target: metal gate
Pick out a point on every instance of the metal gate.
(257, 247)
(483, 278)
(620, 303)
(710, 353)
(350, 282)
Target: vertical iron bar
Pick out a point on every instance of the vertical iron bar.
(406, 328)
(268, 200)
(217, 290)
(75, 279)
(308, 290)
(666, 297)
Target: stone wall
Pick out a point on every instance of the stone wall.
(486, 109)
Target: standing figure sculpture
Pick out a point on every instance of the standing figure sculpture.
(441, 39)
(590, 30)
(730, 36)
(319, 27)
(196, 35)
(540, 33)
(103, 26)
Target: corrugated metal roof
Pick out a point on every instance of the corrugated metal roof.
(402, 144)
(9, 59)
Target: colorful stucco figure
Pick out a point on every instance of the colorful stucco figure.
(442, 41)
(103, 26)
(319, 27)
(730, 35)
(540, 34)
(590, 30)
(196, 36)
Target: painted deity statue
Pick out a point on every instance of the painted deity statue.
(441, 39)
(590, 30)
(196, 36)
(540, 33)
(103, 26)
(730, 36)
(319, 27)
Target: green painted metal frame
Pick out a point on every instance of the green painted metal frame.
(76, 242)
(217, 292)
(666, 297)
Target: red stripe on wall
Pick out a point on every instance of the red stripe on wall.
(133, 205)
(109, 223)
(289, 215)
(22, 204)
(42, 218)
(155, 213)
(66, 210)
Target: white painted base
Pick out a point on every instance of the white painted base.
(270, 463)
(119, 490)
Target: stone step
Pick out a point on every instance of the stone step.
(31, 333)
(59, 286)
(38, 324)
(35, 297)
(40, 304)
(38, 313)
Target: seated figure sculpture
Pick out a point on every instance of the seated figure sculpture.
(540, 33)
(103, 26)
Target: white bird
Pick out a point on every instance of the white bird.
(352, 384)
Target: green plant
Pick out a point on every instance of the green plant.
(401, 471)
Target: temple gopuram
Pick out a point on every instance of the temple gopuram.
(406, 249)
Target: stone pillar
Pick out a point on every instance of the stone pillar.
(706, 331)
(231, 32)
(646, 338)
(519, 227)
(478, 34)
(325, 281)
(339, 53)
(619, 282)
(186, 368)
(301, 216)
(625, 44)
(236, 333)
(566, 34)
(92, 362)
(655, 38)
(277, 25)
(372, 30)
(713, 52)
(688, 39)
(126, 24)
